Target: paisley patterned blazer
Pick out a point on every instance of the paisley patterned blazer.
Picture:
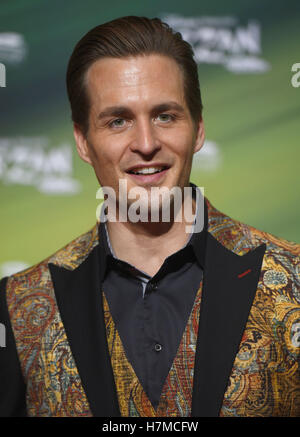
(58, 362)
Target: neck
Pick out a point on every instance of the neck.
(146, 245)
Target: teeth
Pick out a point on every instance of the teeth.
(148, 170)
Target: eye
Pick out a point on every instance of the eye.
(165, 118)
(118, 122)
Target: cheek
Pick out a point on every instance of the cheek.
(104, 156)
(183, 147)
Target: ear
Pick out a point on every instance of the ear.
(81, 144)
(200, 138)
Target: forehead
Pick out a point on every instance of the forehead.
(134, 80)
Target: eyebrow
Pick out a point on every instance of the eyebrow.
(119, 111)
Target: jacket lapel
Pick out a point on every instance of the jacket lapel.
(79, 299)
(229, 286)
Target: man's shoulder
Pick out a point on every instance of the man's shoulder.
(273, 243)
(69, 256)
(234, 233)
(281, 262)
(282, 258)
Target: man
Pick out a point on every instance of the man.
(141, 318)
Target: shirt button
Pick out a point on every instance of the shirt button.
(154, 286)
(158, 347)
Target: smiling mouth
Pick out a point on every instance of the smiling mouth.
(148, 170)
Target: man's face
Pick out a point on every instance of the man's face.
(139, 122)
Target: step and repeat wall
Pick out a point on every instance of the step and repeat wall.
(248, 55)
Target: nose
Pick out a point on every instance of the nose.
(145, 140)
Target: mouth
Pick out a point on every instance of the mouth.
(148, 173)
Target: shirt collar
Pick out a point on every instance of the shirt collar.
(197, 240)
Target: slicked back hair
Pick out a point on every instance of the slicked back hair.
(129, 37)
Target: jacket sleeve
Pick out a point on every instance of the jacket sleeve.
(12, 386)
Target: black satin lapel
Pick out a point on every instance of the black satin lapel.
(79, 299)
(225, 306)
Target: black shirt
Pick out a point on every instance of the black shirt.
(151, 313)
